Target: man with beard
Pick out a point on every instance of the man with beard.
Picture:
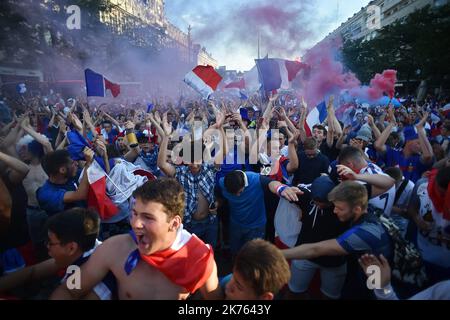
(60, 192)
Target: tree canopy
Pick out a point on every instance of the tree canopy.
(421, 41)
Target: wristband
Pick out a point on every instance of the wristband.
(281, 188)
(386, 293)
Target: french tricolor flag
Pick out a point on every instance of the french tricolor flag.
(203, 79)
(277, 74)
(97, 84)
(97, 197)
(239, 84)
(316, 116)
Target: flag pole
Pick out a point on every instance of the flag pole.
(259, 39)
(109, 178)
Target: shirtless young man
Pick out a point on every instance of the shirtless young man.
(160, 260)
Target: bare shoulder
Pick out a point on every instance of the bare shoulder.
(115, 247)
(117, 243)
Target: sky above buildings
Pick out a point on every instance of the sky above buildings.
(229, 29)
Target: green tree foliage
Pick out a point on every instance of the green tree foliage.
(421, 41)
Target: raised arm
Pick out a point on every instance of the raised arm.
(72, 118)
(88, 120)
(113, 121)
(302, 121)
(82, 191)
(8, 127)
(425, 146)
(223, 150)
(133, 153)
(343, 136)
(333, 125)
(43, 140)
(380, 182)
(285, 118)
(268, 113)
(292, 166)
(162, 163)
(376, 132)
(11, 138)
(19, 168)
(100, 147)
(380, 143)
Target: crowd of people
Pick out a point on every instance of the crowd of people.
(223, 199)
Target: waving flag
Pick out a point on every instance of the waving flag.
(123, 180)
(77, 143)
(97, 197)
(203, 79)
(316, 116)
(277, 73)
(251, 79)
(97, 84)
(240, 84)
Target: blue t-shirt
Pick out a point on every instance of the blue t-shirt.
(51, 197)
(412, 167)
(367, 236)
(231, 165)
(248, 209)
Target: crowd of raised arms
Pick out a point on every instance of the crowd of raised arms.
(223, 199)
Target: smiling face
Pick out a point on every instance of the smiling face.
(154, 230)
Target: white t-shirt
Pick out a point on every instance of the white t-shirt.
(384, 201)
(434, 245)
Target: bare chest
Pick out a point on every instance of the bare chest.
(147, 283)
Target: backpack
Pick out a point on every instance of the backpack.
(407, 264)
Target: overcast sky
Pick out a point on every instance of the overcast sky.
(229, 28)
